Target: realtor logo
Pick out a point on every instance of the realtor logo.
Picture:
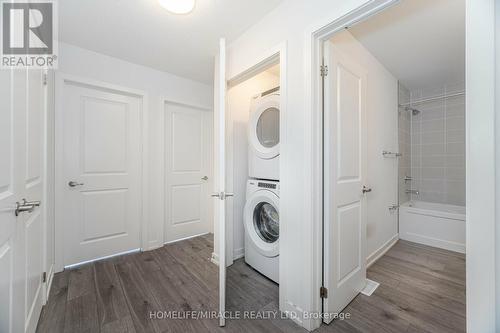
(28, 34)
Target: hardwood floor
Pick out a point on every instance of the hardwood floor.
(422, 289)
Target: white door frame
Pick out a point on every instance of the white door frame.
(480, 96)
(164, 101)
(60, 80)
(255, 66)
(315, 36)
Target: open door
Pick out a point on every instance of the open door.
(220, 194)
(344, 179)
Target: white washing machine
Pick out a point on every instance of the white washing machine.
(264, 136)
(261, 221)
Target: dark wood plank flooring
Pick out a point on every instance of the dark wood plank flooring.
(422, 289)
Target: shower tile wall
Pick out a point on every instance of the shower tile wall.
(438, 146)
(404, 126)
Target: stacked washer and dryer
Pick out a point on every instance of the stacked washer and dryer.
(261, 212)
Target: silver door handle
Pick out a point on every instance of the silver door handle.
(74, 184)
(222, 195)
(366, 189)
(204, 178)
(21, 207)
(36, 203)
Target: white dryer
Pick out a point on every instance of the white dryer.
(264, 136)
(261, 221)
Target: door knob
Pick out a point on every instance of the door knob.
(22, 207)
(366, 189)
(204, 178)
(222, 195)
(33, 203)
(74, 184)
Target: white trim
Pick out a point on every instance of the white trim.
(378, 253)
(48, 283)
(257, 64)
(102, 258)
(185, 238)
(60, 80)
(313, 125)
(434, 242)
(265, 63)
(238, 253)
(214, 258)
(45, 190)
(480, 166)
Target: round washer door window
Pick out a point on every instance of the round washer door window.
(264, 127)
(268, 127)
(266, 222)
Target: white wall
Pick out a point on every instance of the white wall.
(289, 23)
(156, 84)
(239, 100)
(382, 134)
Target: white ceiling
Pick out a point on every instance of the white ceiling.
(421, 42)
(142, 32)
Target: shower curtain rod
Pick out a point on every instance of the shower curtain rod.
(430, 99)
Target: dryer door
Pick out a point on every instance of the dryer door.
(264, 127)
(262, 222)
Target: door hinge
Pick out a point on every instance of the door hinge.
(45, 79)
(44, 277)
(324, 70)
(323, 292)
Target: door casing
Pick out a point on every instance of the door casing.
(60, 80)
(315, 36)
(278, 53)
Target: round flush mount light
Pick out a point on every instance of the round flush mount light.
(178, 6)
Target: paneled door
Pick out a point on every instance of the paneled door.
(100, 182)
(345, 174)
(22, 133)
(188, 146)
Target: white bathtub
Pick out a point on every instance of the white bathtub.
(433, 224)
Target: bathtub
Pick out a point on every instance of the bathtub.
(433, 224)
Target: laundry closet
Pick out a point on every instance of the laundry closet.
(252, 164)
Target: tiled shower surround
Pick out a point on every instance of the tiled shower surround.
(437, 146)
(404, 127)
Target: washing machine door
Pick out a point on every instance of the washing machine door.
(262, 222)
(264, 127)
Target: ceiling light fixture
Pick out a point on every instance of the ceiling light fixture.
(178, 6)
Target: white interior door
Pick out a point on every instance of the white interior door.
(188, 150)
(22, 133)
(100, 184)
(220, 172)
(345, 173)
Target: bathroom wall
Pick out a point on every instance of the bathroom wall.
(404, 138)
(438, 146)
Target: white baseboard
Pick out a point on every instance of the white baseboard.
(186, 238)
(153, 245)
(372, 258)
(50, 278)
(215, 258)
(435, 242)
(238, 253)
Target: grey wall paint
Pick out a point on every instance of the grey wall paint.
(438, 146)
